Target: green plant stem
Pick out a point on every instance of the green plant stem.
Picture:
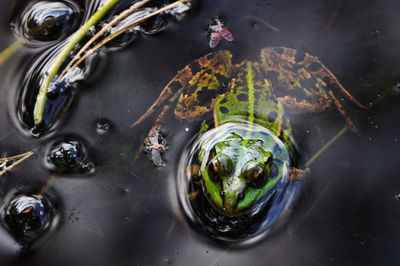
(10, 50)
(100, 33)
(122, 30)
(326, 146)
(60, 58)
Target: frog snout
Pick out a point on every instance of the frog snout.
(230, 193)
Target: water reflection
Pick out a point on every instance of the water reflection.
(256, 207)
(68, 154)
(28, 216)
(46, 21)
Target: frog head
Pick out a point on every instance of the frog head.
(240, 170)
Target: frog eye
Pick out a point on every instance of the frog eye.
(211, 154)
(259, 176)
(219, 166)
(213, 169)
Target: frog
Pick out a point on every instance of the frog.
(240, 164)
(241, 167)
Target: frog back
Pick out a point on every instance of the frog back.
(251, 98)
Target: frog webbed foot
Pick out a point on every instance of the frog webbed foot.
(298, 174)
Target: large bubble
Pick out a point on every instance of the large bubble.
(47, 21)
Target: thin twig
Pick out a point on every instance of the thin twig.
(119, 32)
(60, 58)
(15, 157)
(22, 157)
(98, 35)
(50, 182)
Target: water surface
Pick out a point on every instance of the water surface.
(126, 213)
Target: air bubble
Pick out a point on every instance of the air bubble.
(47, 21)
(68, 155)
(103, 126)
(27, 216)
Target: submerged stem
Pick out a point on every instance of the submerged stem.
(10, 50)
(326, 146)
(59, 60)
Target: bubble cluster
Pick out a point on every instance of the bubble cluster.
(68, 155)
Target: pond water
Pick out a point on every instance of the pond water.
(127, 211)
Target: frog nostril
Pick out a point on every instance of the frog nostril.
(240, 196)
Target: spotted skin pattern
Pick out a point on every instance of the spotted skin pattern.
(285, 81)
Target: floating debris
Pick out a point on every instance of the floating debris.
(6, 164)
(155, 145)
(218, 31)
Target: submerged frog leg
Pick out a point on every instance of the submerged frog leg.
(187, 87)
(211, 74)
(293, 85)
(302, 83)
(315, 104)
(341, 110)
(173, 88)
(303, 71)
(327, 75)
(297, 174)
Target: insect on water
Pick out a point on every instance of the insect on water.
(218, 31)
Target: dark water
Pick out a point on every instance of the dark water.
(127, 213)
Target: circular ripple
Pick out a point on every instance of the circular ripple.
(249, 224)
(68, 154)
(27, 216)
(47, 21)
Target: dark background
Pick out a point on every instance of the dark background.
(127, 214)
